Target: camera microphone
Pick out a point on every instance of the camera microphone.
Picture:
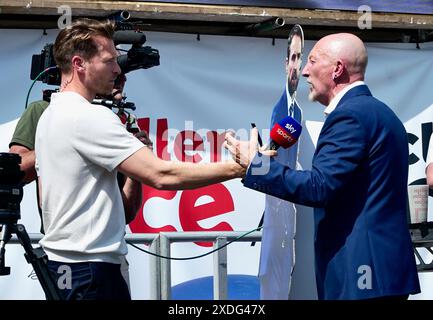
(129, 37)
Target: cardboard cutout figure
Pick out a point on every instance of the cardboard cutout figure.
(277, 256)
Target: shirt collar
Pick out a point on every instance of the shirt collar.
(334, 102)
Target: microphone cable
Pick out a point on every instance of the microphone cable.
(34, 81)
(193, 257)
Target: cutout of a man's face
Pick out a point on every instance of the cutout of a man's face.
(294, 58)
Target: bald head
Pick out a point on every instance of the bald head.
(335, 62)
(347, 47)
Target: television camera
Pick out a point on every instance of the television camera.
(137, 57)
(44, 69)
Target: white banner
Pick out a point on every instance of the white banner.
(204, 87)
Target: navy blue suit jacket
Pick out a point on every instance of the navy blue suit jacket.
(358, 187)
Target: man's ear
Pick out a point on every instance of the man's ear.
(338, 69)
(78, 64)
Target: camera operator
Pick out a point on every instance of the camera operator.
(79, 150)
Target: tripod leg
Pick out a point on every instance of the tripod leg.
(5, 237)
(38, 259)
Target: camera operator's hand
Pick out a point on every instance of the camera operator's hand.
(143, 136)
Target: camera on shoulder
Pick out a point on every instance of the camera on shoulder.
(137, 57)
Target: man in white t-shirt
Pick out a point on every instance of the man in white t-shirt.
(79, 148)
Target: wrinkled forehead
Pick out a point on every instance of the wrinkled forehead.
(319, 52)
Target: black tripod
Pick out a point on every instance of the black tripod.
(36, 257)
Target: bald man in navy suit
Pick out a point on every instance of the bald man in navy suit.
(357, 184)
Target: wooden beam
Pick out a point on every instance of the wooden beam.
(214, 13)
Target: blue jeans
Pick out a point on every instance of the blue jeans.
(89, 280)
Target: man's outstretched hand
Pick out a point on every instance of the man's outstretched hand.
(243, 152)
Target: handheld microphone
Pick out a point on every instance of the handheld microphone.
(285, 133)
(259, 138)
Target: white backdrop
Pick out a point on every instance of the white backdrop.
(211, 85)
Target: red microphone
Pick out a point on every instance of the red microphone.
(285, 133)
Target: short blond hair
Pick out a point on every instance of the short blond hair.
(76, 39)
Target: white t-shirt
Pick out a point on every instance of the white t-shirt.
(78, 147)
